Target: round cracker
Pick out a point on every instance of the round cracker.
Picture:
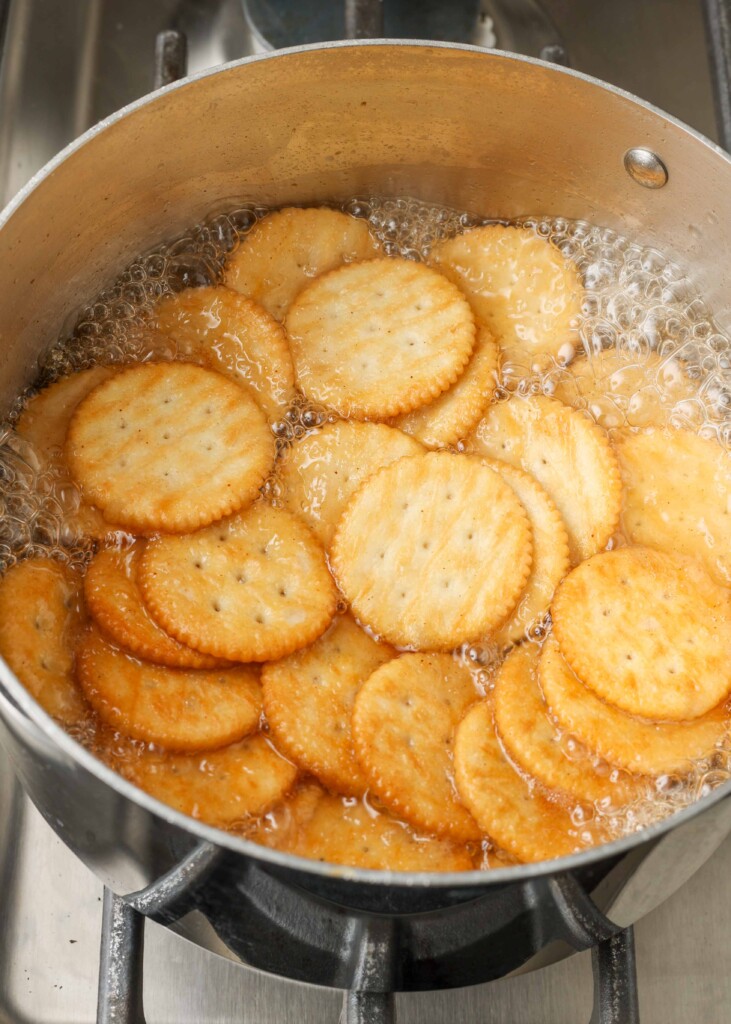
(45, 419)
(314, 824)
(285, 250)
(159, 447)
(512, 812)
(44, 423)
(404, 719)
(115, 603)
(224, 331)
(647, 631)
(308, 700)
(534, 744)
(450, 555)
(41, 614)
(621, 388)
(223, 788)
(180, 709)
(648, 748)
(677, 495)
(456, 411)
(375, 339)
(569, 456)
(254, 587)
(521, 286)
(319, 474)
(551, 559)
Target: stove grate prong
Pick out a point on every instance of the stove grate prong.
(120, 966)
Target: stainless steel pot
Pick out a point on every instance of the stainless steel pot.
(497, 136)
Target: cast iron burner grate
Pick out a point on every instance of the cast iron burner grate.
(120, 998)
(613, 962)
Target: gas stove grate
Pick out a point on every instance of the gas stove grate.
(613, 962)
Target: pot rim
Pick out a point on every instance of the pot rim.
(17, 702)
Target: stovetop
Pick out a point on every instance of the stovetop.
(66, 64)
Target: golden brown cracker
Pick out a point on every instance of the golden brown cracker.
(319, 474)
(317, 825)
(647, 748)
(622, 387)
(224, 331)
(521, 286)
(404, 719)
(169, 446)
(511, 811)
(44, 423)
(648, 632)
(179, 709)
(45, 418)
(285, 250)
(308, 700)
(413, 545)
(533, 742)
(569, 456)
(223, 788)
(551, 559)
(254, 587)
(453, 414)
(115, 603)
(41, 614)
(677, 495)
(375, 339)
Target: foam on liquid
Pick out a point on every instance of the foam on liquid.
(636, 301)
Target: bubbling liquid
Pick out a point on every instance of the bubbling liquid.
(637, 302)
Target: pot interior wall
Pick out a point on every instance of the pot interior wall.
(491, 134)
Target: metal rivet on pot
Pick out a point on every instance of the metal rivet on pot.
(645, 167)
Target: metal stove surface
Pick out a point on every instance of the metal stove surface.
(66, 64)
